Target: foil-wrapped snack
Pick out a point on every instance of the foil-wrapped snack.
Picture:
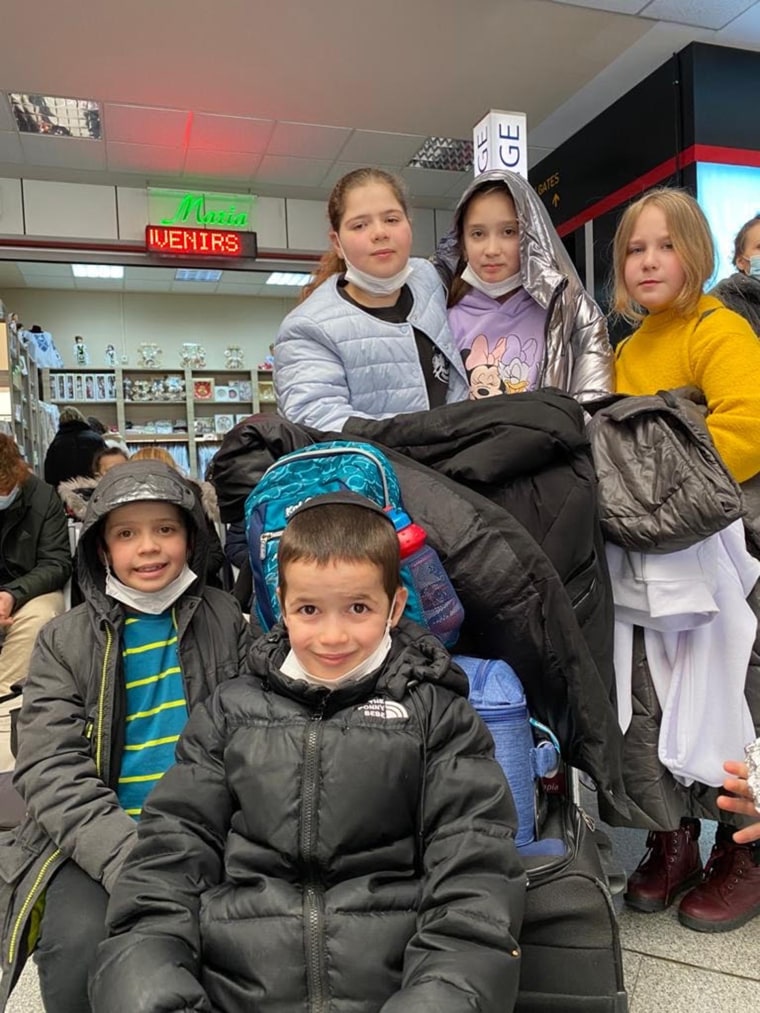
(752, 756)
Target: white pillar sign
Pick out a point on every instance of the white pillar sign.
(500, 141)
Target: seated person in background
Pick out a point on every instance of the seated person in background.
(110, 686)
(518, 312)
(73, 447)
(336, 831)
(370, 337)
(207, 498)
(35, 561)
(76, 492)
(741, 292)
(108, 458)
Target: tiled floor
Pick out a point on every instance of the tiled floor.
(668, 968)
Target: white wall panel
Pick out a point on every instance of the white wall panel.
(423, 225)
(133, 212)
(307, 225)
(270, 223)
(443, 220)
(69, 210)
(11, 208)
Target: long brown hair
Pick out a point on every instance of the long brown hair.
(331, 263)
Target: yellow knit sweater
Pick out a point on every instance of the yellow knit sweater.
(720, 354)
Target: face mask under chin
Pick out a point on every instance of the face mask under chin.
(376, 286)
(152, 602)
(494, 289)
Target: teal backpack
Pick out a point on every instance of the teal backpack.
(291, 481)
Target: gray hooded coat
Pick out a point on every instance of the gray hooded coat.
(71, 724)
(578, 356)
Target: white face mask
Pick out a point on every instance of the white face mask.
(11, 497)
(376, 286)
(494, 289)
(152, 602)
(293, 667)
(754, 266)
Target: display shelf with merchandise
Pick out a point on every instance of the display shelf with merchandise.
(163, 404)
(27, 421)
(265, 384)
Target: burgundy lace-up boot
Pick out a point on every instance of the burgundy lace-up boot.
(671, 864)
(729, 895)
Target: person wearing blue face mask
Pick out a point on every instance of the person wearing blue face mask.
(35, 561)
(741, 292)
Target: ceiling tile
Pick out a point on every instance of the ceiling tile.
(33, 269)
(292, 171)
(715, 14)
(339, 169)
(142, 285)
(10, 276)
(64, 152)
(229, 165)
(617, 6)
(148, 159)
(193, 287)
(144, 125)
(373, 147)
(99, 284)
(10, 147)
(149, 274)
(459, 184)
(430, 182)
(63, 283)
(229, 133)
(305, 140)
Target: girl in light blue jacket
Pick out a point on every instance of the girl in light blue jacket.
(370, 338)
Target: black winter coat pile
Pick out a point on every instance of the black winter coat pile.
(311, 850)
(506, 491)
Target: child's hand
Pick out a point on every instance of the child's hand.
(744, 804)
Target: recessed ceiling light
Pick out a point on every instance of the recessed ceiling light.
(97, 270)
(191, 274)
(288, 278)
(56, 117)
(443, 153)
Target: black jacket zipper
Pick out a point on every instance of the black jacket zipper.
(316, 978)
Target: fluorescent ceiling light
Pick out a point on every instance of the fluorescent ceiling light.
(56, 117)
(443, 153)
(288, 278)
(191, 274)
(97, 270)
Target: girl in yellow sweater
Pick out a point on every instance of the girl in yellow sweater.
(663, 255)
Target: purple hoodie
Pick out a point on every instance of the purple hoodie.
(502, 343)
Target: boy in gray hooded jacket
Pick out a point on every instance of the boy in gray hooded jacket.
(110, 686)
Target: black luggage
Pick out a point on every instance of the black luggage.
(571, 957)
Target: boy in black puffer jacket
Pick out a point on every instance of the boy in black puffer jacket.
(336, 833)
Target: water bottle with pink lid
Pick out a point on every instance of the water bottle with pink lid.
(441, 606)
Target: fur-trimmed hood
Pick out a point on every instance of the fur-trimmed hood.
(75, 493)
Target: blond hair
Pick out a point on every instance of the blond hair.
(692, 241)
(155, 454)
(331, 263)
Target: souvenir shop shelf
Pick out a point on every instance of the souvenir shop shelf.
(29, 422)
(160, 404)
